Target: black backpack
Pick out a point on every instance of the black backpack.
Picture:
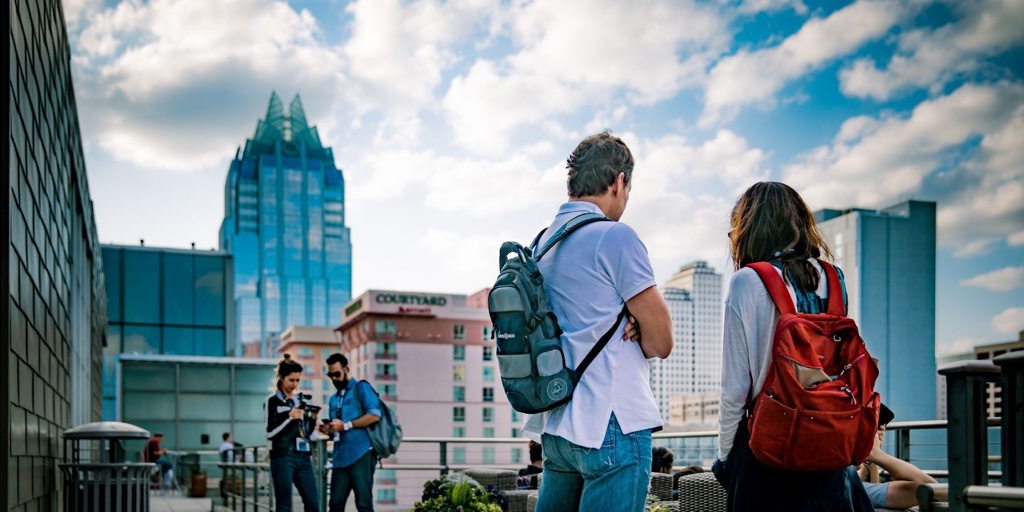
(530, 358)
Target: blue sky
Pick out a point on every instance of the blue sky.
(451, 122)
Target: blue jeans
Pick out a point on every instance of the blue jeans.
(294, 468)
(165, 465)
(356, 477)
(610, 479)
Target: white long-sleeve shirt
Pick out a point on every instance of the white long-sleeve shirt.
(750, 318)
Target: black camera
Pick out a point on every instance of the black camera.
(305, 406)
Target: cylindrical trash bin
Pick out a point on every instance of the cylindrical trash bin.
(96, 477)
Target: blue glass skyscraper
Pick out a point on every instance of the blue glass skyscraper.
(284, 224)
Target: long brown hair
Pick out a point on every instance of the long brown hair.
(771, 222)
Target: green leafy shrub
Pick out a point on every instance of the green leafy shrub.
(458, 493)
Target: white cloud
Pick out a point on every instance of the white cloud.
(897, 155)
(485, 106)
(974, 248)
(573, 53)
(444, 183)
(1016, 239)
(961, 346)
(930, 57)
(1001, 280)
(167, 84)
(756, 6)
(1010, 321)
(749, 77)
(398, 51)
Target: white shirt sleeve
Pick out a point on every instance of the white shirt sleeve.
(736, 380)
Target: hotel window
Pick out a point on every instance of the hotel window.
(458, 414)
(307, 369)
(488, 414)
(325, 353)
(459, 332)
(389, 391)
(459, 454)
(459, 394)
(516, 416)
(515, 432)
(488, 353)
(385, 350)
(488, 394)
(385, 328)
(459, 373)
(386, 496)
(305, 353)
(517, 455)
(386, 476)
(488, 374)
(488, 332)
(386, 371)
(306, 385)
(488, 455)
(488, 432)
(459, 352)
(458, 431)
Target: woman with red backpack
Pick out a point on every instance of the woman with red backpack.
(771, 223)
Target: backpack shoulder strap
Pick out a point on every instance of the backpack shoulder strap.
(575, 223)
(600, 344)
(776, 287)
(835, 290)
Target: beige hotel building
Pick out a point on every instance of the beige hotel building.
(432, 359)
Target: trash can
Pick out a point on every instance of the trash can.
(96, 476)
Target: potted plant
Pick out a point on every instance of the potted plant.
(458, 493)
(197, 481)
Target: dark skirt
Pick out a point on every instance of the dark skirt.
(753, 486)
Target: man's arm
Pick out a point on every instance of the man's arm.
(651, 313)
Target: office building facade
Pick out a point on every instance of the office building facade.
(284, 224)
(194, 400)
(432, 357)
(54, 313)
(694, 297)
(888, 258)
(165, 301)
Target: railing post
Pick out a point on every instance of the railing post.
(444, 457)
(903, 444)
(967, 432)
(1012, 405)
(320, 471)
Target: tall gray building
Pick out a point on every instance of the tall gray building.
(694, 297)
(53, 311)
(284, 225)
(888, 257)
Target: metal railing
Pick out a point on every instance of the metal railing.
(968, 450)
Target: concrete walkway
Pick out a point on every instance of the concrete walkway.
(172, 503)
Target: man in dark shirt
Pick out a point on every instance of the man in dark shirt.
(154, 453)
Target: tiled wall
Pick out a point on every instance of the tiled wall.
(51, 227)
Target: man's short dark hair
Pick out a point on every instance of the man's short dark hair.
(536, 452)
(158, 434)
(337, 358)
(595, 163)
(226, 436)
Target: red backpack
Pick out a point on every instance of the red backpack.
(818, 409)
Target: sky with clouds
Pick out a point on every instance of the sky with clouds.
(451, 122)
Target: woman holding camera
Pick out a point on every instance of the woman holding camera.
(290, 448)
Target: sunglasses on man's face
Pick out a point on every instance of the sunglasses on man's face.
(334, 375)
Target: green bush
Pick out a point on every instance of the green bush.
(458, 493)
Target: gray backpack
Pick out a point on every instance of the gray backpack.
(386, 434)
(530, 358)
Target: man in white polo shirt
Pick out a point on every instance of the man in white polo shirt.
(598, 446)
